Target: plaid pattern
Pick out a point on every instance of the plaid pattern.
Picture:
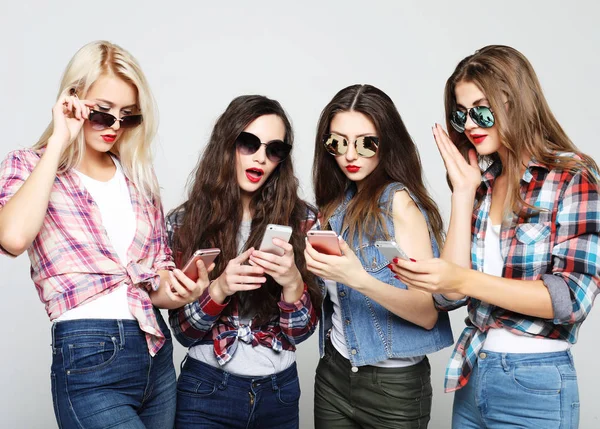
(559, 244)
(72, 259)
(202, 321)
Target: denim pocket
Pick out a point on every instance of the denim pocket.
(195, 386)
(289, 394)
(538, 379)
(90, 353)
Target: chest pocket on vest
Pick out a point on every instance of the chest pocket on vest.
(370, 257)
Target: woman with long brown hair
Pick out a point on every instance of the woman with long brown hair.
(243, 330)
(522, 249)
(374, 332)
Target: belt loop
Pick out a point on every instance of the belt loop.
(274, 382)
(571, 358)
(183, 362)
(505, 364)
(53, 345)
(121, 334)
(225, 380)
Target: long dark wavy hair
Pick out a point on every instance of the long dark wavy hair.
(213, 211)
(398, 162)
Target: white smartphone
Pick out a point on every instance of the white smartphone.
(275, 231)
(207, 255)
(324, 242)
(390, 250)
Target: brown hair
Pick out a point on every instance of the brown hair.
(398, 162)
(213, 211)
(525, 125)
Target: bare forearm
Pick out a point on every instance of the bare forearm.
(521, 296)
(458, 241)
(411, 305)
(22, 216)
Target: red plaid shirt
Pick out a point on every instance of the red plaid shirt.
(202, 321)
(558, 245)
(72, 259)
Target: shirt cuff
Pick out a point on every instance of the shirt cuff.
(209, 306)
(560, 295)
(295, 306)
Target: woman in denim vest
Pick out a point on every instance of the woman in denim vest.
(374, 332)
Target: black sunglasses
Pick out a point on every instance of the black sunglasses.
(482, 116)
(103, 120)
(276, 150)
(336, 145)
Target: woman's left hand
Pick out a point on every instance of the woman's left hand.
(282, 268)
(346, 269)
(431, 275)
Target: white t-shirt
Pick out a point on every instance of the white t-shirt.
(118, 218)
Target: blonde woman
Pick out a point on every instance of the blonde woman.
(522, 247)
(84, 203)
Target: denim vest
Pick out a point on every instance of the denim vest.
(372, 333)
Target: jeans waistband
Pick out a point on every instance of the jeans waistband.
(506, 360)
(225, 378)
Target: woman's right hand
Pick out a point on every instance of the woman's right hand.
(464, 176)
(237, 277)
(68, 116)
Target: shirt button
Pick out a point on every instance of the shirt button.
(342, 293)
(347, 321)
(354, 369)
(482, 355)
(353, 351)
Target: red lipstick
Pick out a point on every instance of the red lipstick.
(254, 174)
(109, 138)
(478, 138)
(352, 168)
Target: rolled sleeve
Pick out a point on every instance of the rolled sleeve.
(13, 173)
(575, 278)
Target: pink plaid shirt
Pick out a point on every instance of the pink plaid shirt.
(72, 259)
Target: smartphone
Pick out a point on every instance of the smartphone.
(207, 255)
(324, 242)
(275, 231)
(390, 250)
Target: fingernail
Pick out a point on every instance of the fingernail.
(389, 266)
(395, 260)
(396, 277)
(414, 260)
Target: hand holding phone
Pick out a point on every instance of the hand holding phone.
(326, 242)
(275, 231)
(206, 255)
(390, 250)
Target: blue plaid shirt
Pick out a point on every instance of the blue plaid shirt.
(558, 244)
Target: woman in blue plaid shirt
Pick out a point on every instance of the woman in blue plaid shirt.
(530, 271)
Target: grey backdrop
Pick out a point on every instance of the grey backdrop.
(199, 55)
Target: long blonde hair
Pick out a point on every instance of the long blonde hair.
(102, 58)
(525, 125)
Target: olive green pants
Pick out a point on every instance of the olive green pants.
(371, 397)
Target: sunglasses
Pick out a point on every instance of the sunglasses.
(482, 116)
(276, 150)
(103, 120)
(366, 146)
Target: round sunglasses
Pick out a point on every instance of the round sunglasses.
(482, 116)
(336, 145)
(103, 120)
(276, 150)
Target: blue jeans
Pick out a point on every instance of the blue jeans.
(211, 398)
(525, 390)
(104, 377)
